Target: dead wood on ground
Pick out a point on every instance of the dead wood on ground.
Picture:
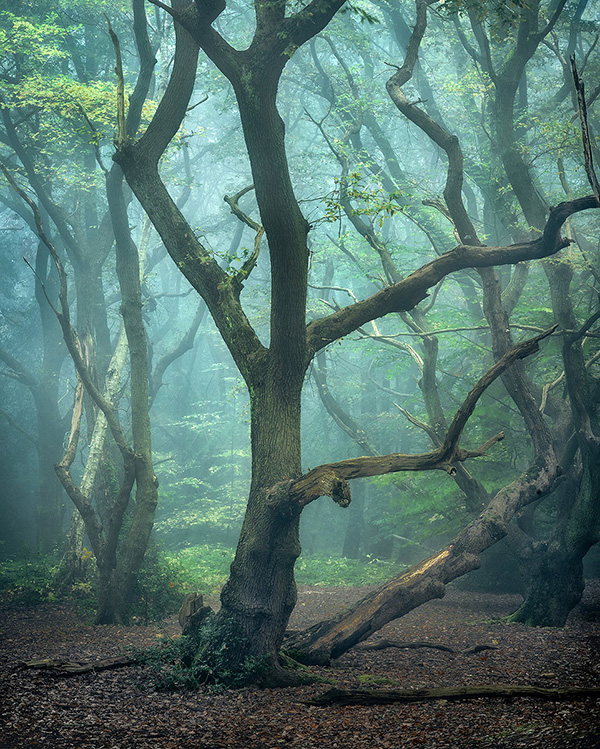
(74, 668)
(386, 696)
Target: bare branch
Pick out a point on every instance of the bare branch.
(343, 419)
(121, 136)
(248, 266)
(69, 456)
(166, 8)
(69, 333)
(15, 425)
(421, 425)
(94, 131)
(19, 371)
(585, 131)
(184, 344)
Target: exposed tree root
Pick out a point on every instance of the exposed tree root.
(383, 644)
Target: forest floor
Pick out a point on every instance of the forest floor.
(119, 708)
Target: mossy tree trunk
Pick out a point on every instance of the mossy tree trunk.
(554, 567)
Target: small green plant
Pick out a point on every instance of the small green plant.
(165, 666)
(28, 581)
(210, 658)
(213, 654)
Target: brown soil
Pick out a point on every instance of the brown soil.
(120, 709)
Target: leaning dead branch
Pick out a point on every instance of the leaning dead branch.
(426, 580)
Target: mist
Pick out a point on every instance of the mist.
(299, 297)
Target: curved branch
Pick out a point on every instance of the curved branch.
(172, 107)
(341, 417)
(186, 343)
(585, 131)
(19, 371)
(15, 425)
(420, 424)
(249, 264)
(406, 294)
(327, 479)
(312, 19)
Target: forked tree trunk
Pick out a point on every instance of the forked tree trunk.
(259, 597)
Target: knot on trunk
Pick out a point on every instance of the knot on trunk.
(340, 492)
(323, 481)
(320, 482)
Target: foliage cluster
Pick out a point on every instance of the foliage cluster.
(28, 581)
(182, 663)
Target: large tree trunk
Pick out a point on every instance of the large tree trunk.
(50, 510)
(260, 594)
(553, 569)
(553, 586)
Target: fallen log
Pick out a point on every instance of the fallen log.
(342, 697)
(74, 668)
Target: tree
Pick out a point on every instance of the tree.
(260, 593)
(118, 555)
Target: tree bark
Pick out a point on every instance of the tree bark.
(260, 594)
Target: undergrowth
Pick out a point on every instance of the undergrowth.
(28, 581)
(206, 568)
(167, 576)
(211, 659)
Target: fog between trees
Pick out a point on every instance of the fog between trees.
(290, 253)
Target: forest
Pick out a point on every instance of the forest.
(300, 373)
